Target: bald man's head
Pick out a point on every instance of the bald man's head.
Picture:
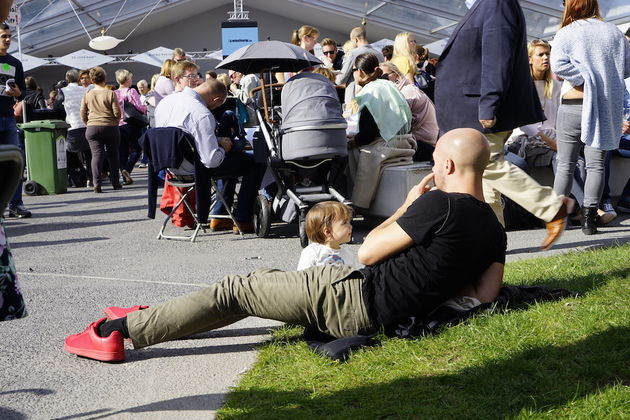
(213, 93)
(463, 151)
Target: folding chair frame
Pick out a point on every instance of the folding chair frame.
(190, 187)
(180, 185)
(218, 196)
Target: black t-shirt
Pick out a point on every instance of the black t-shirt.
(456, 238)
(10, 68)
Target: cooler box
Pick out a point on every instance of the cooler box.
(394, 186)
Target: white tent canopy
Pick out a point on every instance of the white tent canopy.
(44, 23)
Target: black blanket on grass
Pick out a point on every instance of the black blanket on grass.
(418, 326)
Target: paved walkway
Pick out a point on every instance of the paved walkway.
(81, 252)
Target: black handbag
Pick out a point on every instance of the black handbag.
(132, 116)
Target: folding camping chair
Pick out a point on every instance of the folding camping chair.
(173, 150)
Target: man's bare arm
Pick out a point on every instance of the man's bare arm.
(389, 238)
(488, 286)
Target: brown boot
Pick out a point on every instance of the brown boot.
(217, 225)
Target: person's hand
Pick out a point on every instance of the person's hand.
(488, 123)
(626, 127)
(417, 190)
(13, 91)
(225, 143)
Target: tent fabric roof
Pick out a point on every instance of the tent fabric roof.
(45, 22)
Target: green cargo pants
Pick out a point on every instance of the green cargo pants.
(327, 297)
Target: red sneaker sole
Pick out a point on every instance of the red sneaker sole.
(103, 356)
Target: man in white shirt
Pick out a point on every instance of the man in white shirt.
(190, 111)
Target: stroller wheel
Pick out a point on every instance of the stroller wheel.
(302, 227)
(262, 216)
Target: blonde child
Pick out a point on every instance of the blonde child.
(328, 227)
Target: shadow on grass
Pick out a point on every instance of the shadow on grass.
(590, 244)
(583, 283)
(536, 380)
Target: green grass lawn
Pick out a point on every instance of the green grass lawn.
(566, 359)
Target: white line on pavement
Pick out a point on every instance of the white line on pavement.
(110, 278)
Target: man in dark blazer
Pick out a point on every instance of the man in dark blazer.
(483, 81)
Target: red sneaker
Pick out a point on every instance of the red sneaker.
(114, 312)
(89, 344)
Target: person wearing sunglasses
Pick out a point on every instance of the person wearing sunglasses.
(332, 57)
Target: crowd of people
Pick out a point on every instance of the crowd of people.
(446, 241)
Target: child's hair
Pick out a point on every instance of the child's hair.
(322, 216)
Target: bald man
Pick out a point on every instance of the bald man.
(443, 242)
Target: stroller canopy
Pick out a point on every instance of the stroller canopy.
(312, 125)
(310, 99)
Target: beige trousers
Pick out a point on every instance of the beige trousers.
(502, 177)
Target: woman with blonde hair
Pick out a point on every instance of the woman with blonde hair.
(164, 85)
(593, 59)
(225, 79)
(305, 37)
(405, 55)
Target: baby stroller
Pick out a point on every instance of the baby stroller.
(304, 143)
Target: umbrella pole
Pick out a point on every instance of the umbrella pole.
(273, 117)
(264, 95)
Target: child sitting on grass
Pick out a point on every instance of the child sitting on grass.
(328, 227)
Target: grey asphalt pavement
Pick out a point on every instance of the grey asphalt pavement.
(82, 251)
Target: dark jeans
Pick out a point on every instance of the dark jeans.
(9, 135)
(104, 140)
(424, 152)
(625, 145)
(228, 126)
(236, 165)
(130, 149)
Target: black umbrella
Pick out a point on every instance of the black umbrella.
(269, 56)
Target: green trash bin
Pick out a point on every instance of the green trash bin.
(46, 156)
